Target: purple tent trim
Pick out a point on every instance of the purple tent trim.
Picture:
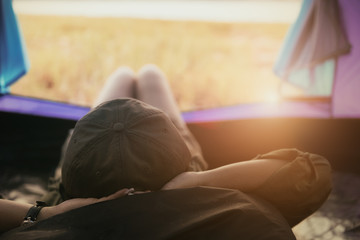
(294, 109)
(45, 108)
(39, 107)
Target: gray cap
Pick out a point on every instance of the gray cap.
(122, 143)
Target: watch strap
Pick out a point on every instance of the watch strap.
(34, 211)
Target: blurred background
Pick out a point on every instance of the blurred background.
(214, 53)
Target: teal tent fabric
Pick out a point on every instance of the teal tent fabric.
(315, 81)
(13, 58)
(291, 39)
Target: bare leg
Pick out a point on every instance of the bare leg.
(153, 88)
(120, 83)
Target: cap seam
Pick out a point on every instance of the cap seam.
(84, 153)
(88, 148)
(97, 123)
(118, 141)
(173, 154)
(145, 116)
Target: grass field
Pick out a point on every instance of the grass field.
(207, 64)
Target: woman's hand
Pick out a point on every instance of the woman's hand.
(12, 213)
(183, 180)
(79, 202)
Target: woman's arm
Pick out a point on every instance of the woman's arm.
(244, 176)
(12, 213)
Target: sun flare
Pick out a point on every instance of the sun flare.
(272, 97)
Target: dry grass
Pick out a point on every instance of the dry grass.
(207, 64)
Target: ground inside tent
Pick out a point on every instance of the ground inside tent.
(338, 218)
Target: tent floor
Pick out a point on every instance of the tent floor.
(339, 217)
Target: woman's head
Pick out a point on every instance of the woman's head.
(122, 143)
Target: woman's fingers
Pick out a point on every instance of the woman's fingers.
(118, 194)
(138, 192)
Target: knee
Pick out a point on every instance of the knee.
(150, 70)
(124, 72)
(150, 75)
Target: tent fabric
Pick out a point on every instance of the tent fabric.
(291, 39)
(13, 59)
(316, 81)
(322, 36)
(346, 95)
(316, 39)
(194, 213)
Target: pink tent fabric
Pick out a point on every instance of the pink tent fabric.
(346, 91)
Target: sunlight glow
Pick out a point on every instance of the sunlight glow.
(272, 97)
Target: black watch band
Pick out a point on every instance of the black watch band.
(33, 212)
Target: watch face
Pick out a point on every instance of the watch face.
(27, 222)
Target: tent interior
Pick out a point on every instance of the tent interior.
(33, 130)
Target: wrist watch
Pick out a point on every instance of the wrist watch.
(33, 212)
